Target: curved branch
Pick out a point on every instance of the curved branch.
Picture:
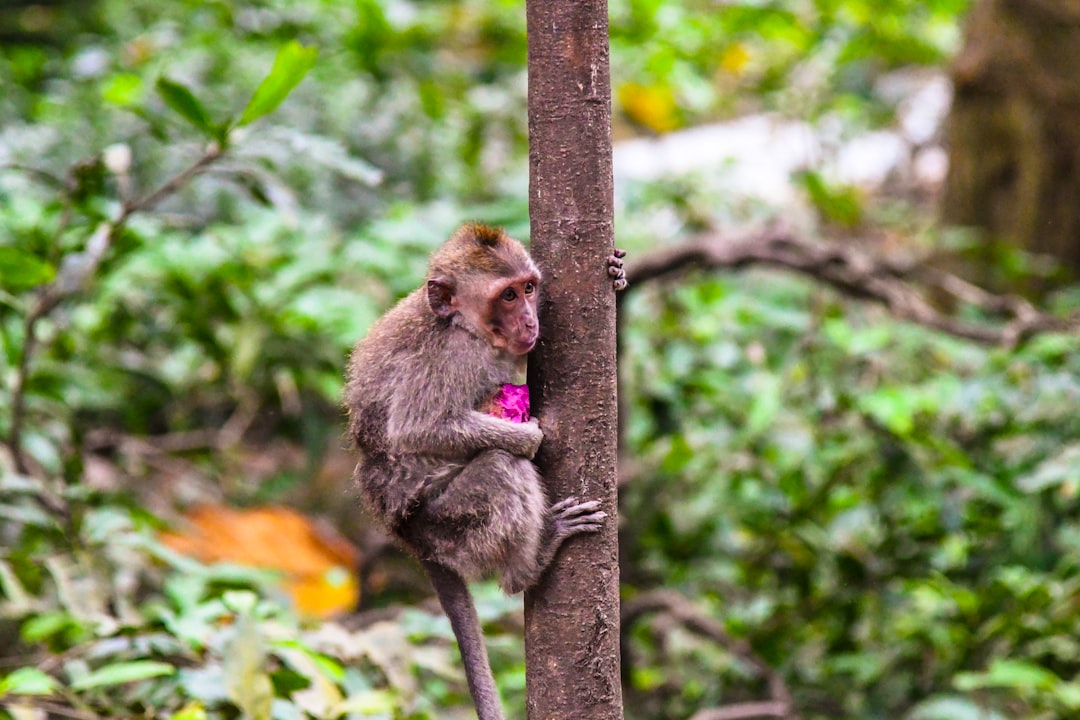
(780, 705)
(899, 286)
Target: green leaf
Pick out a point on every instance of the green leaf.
(192, 711)
(767, 403)
(1060, 468)
(291, 65)
(367, 702)
(1069, 695)
(46, 625)
(124, 672)
(181, 100)
(123, 89)
(246, 680)
(17, 599)
(20, 270)
(893, 407)
(27, 681)
(840, 204)
(1017, 674)
(951, 708)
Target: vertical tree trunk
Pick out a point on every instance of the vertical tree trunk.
(572, 617)
(1014, 139)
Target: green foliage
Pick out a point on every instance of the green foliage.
(841, 206)
(22, 270)
(884, 515)
(808, 58)
(136, 629)
(112, 318)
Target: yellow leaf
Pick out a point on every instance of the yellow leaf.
(652, 106)
(735, 58)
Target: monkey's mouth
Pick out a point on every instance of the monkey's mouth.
(516, 342)
(522, 347)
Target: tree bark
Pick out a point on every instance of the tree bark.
(1014, 137)
(572, 617)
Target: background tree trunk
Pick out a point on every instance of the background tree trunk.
(1013, 131)
(572, 618)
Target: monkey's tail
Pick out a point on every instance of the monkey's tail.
(458, 605)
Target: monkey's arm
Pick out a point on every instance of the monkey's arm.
(462, 434)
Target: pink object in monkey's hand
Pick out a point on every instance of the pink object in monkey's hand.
(511, 403)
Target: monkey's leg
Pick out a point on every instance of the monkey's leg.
(490, 518)
(493, 517)
(566, 518)
(458, 605)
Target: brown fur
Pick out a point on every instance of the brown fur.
(481, 249)
(456, 486)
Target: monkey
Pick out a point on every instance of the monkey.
(452, 483)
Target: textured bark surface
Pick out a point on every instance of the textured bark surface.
(572, 617)
(1013, 131)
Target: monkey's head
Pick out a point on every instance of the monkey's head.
(485, 281)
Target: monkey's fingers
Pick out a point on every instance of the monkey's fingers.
(573, 516)
(616, 271)
(619, 253)
(567, 526)
(570, 506)
(563, 504)
(581, 523)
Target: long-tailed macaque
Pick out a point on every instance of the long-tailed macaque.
(453, 483)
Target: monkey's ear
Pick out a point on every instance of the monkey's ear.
(440, 296)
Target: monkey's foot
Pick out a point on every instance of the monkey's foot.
(571, 517)
(567, 518)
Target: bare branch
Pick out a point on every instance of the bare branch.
(781, 703)
(73, 275)
(42, 176)
(170, 186)
(47, 706)
(899, 286)
(743, 711)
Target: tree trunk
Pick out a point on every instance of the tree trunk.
(1013, 131)
(572, 617)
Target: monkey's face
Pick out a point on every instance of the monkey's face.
(511, 321)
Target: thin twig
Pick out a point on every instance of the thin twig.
(74, 273)
(899, 286)
(18, 393)
(212, 153)
(43, 176)
(781, 703)
(50, 707)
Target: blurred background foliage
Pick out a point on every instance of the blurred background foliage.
(885, 516)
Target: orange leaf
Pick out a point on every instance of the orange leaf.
(318, 565)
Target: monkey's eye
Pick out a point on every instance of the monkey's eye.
(529, 288)
(509, 295)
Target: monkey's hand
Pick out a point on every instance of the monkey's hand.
(615, 270)
(537, 437)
